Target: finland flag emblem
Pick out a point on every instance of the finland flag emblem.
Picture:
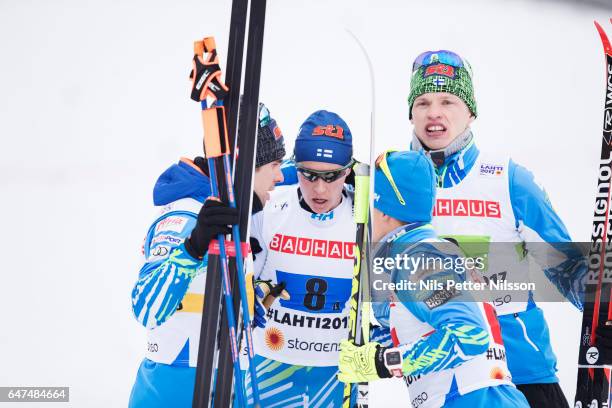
(439, 81)
(327, 153)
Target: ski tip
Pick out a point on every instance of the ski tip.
(604, 38)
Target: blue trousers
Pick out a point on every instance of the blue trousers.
(161, 386)
(503, 396)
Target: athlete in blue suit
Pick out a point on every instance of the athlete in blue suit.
(450, 346)
(168, 296)
(487, 196)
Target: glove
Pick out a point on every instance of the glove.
(603, 341)
(265, 294)
(214, 219)
(361, 363)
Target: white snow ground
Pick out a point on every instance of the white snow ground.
(94, 105)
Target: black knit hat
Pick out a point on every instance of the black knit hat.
(270, 141)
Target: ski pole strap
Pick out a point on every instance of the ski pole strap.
(216, 142)
(230, 248)
(206, 74)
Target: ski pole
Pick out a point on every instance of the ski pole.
(227, 290)
(246, 316)
(206, 82)
(217, 146)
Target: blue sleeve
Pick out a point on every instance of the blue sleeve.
(460, 330)
(381, 312)
(381, 334)
(545, 236)
(168, 269)
(532, 207)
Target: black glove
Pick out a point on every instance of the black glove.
(214, 219)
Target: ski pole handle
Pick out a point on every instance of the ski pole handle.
(206, 73)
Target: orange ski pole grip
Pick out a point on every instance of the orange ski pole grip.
(216, 142)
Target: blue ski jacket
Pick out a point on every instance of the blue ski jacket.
(526, 334)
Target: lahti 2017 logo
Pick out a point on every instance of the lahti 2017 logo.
(491, 169)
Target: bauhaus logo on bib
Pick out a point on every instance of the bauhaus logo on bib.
(447, 207)
(312, 247)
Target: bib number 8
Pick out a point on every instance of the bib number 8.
(315, 296)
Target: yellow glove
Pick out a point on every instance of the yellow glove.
(361, 363)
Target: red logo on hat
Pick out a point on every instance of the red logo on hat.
(440, 69)
(277, 133)
(329, 130)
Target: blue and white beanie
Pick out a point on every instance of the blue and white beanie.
(415, 178)
(324, 137)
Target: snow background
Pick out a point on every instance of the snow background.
(94, 105)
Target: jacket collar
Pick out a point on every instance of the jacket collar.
(454, 162)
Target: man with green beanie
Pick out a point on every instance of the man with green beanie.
(486, 197)
(442, 337)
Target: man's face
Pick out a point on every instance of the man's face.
(379, 229)
(320, 196)
(266, 177)
(438, 118)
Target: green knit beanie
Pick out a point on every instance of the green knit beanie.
(442, 71)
